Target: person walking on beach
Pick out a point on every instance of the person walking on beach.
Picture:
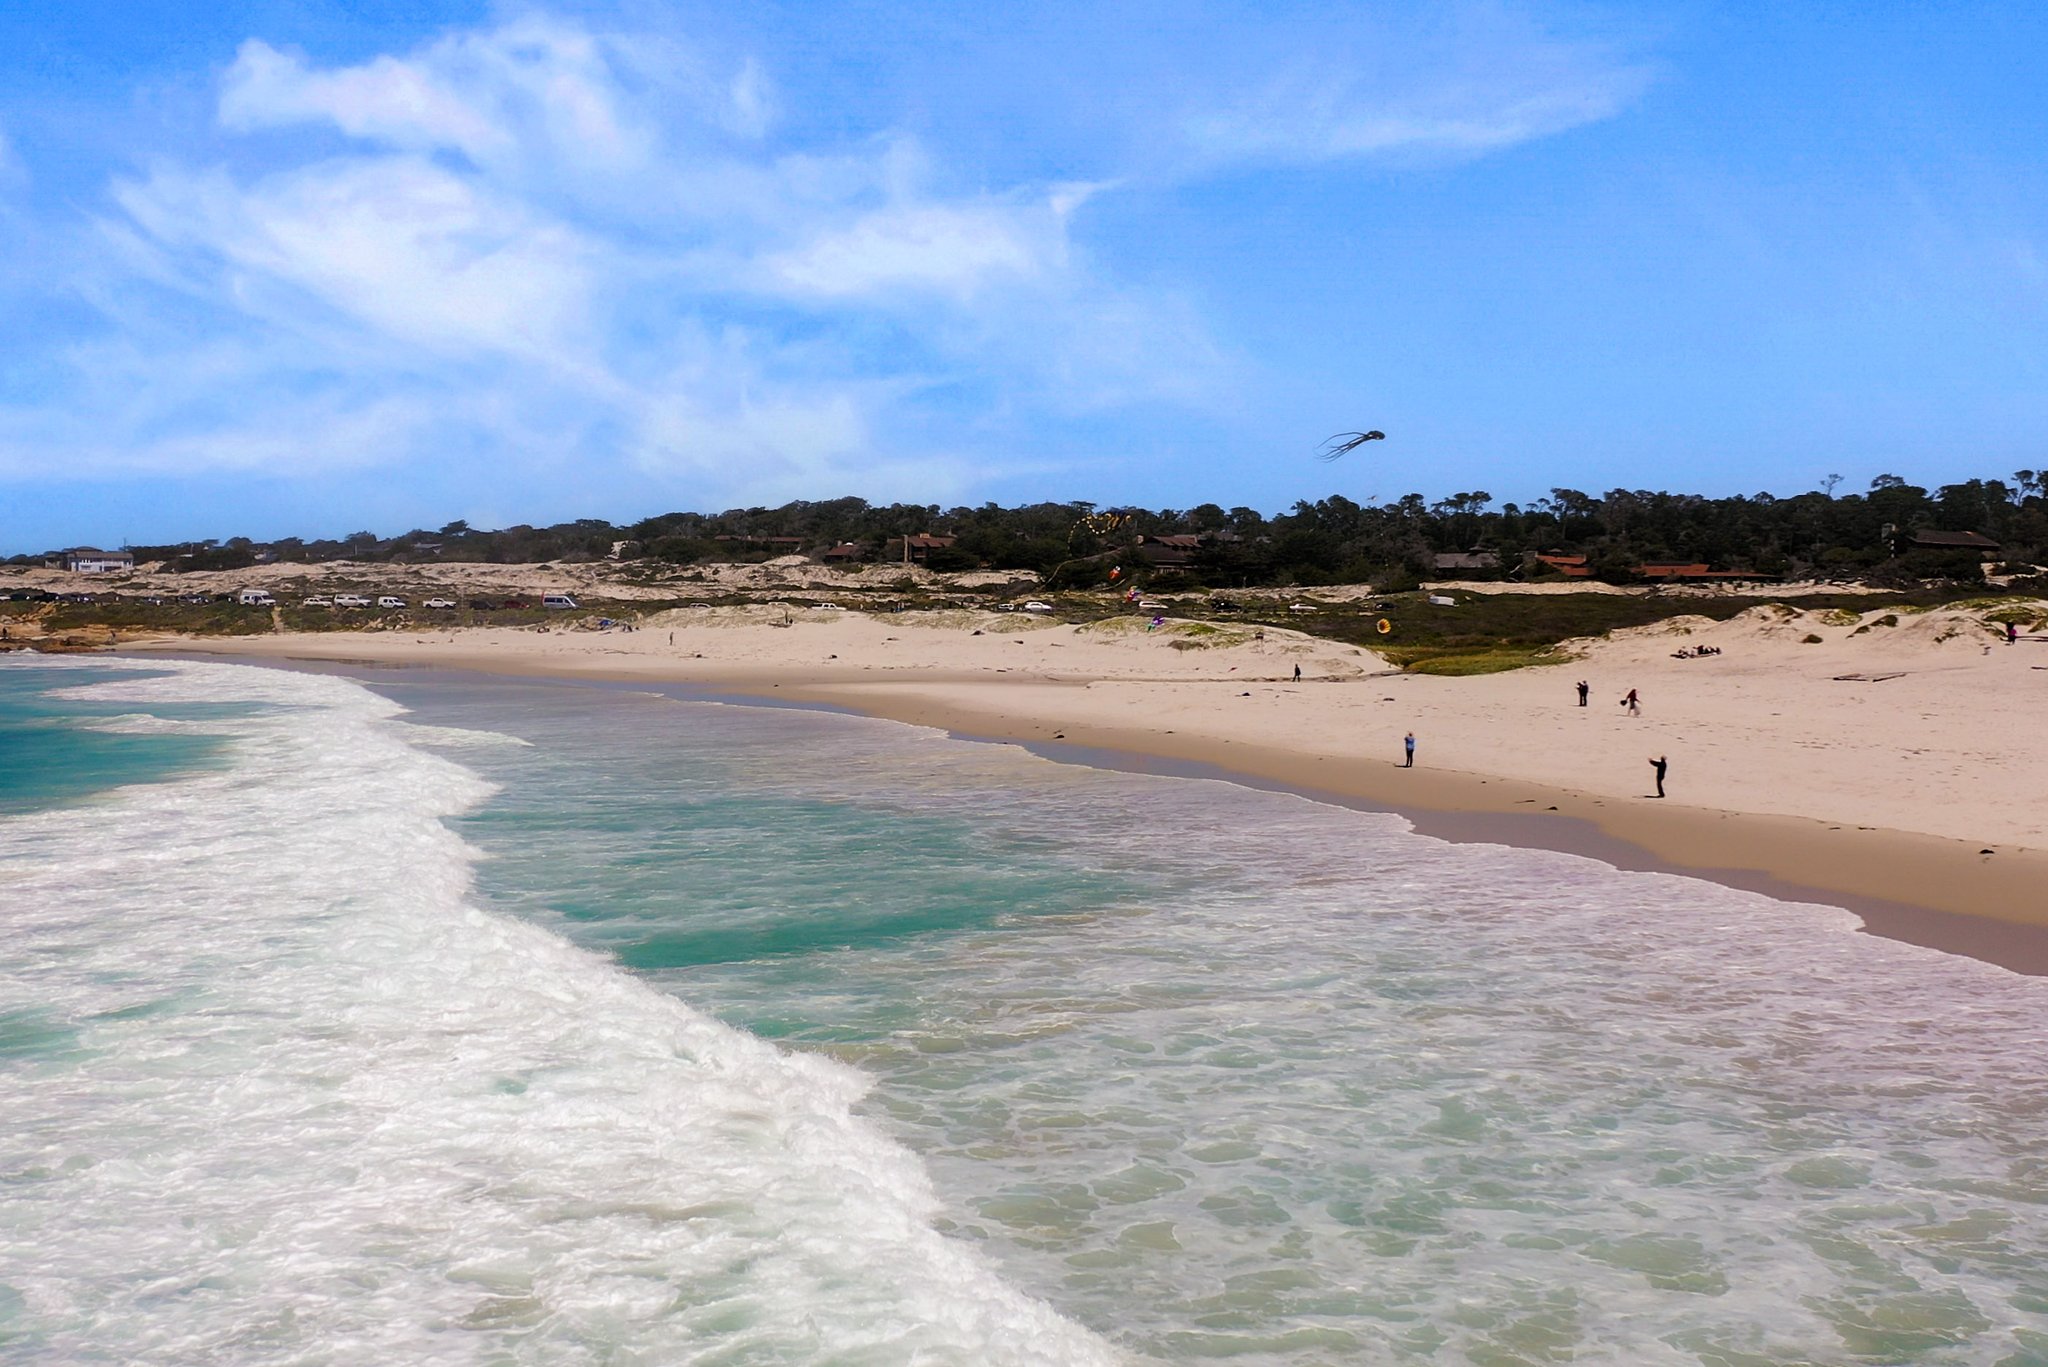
(1634, 709)
(1658, 765)
(1408, 745)
(1584, 689)
(2012, 632)
(1297, 673)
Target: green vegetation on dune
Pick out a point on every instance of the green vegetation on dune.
(1471, 633)
(198, 619)
(1485, 633)
(1462, 661)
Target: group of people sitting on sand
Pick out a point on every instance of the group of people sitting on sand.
(1695, 652)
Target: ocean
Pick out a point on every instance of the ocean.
(423, 1018)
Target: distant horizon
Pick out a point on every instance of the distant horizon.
(299, 268)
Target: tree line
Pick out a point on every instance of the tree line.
(1819, 533)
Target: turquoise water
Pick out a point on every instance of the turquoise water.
(550, 1024)
(55, 751)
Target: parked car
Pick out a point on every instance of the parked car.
(387, 601)
(482, 605)
(1035, 606)
(195, 598)
(318, 600)
(350, 600)
(439, 604)
(826, 607)
(256, 598)
(557, 600)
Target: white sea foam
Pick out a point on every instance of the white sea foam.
(143, 724)
(301, 1100)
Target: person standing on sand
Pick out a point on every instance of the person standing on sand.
(1634, 710)
(1658, 765)
(2012, 632)
(1297, 673)
(1584, 689)
(1409, 746)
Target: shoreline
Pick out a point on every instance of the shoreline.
(1921, 889)
(1928, 890)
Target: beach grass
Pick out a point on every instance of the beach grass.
(1464, 661)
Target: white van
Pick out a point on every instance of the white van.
(255, 598)
(557, 600)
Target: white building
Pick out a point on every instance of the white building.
(86, 560)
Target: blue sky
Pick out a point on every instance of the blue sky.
(308, 267)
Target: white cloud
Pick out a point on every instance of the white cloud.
(533, 89)
(1485, 79)
(387, 100)
(951, 249)
(534, 247)
(400, 245)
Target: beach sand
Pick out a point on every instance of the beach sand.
(1896, 767)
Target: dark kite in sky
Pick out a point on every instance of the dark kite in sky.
(1347, 441)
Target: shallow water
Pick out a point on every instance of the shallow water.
(1066, 1066)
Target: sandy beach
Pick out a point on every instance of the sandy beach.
(1894, 767)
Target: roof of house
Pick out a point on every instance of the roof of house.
(1467, 560)
(1974, 541)
(1689, 569)
(1180, 540)
(928, 541)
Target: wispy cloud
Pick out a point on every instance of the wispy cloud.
(542, 246)
(1473, 80)
(524, 238)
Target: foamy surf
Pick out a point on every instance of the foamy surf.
(279, 1090)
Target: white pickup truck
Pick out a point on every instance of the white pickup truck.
(350, 600)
